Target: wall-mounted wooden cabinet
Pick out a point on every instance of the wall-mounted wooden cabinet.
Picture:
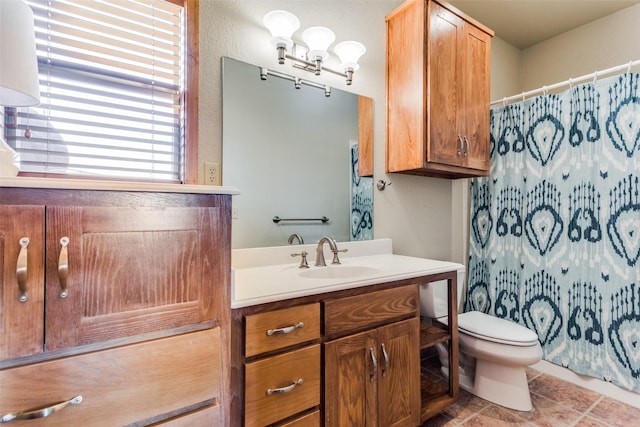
(438, 76)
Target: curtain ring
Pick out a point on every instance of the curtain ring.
(570, 83)
(504, 101)
(595, 77)
(522, 96)
(544, 90)
(629, 67)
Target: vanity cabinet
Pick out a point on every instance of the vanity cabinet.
(438, 79)
(372, 377)
(356, 352)
(128, 305)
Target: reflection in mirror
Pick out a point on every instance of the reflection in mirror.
(293, 153)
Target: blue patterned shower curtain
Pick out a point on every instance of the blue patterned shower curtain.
(555, 228)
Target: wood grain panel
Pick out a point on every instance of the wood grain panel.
(257, 341)
(21, 323)
(281, 371)
(131, 271)
(365, 136)
(345, 315)
(406, 90)
(350, 378)
(399, 387)
(120, 386)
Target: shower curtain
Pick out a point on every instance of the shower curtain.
(555, 228)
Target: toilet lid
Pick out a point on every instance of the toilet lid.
(491, 328)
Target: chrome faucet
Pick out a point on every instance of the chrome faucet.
(320, 262)
(295, 236)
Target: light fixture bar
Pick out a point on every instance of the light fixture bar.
(298, 82)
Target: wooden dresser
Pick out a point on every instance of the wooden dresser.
(114, 306)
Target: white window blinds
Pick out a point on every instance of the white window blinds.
(111, 78)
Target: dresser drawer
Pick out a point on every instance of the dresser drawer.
(120, 386)
(277, 329)
(309, 420)
(210, 416)
(359, 312)
(264, 405)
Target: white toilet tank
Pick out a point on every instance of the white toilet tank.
(433, 297)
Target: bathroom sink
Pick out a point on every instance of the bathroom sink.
(338, 272)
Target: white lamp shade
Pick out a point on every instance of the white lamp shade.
(282, 25)
(318, 40)
(19, 86)
(349, 53)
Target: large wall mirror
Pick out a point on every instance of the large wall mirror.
(293, 154)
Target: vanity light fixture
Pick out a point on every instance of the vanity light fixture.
(283, 24)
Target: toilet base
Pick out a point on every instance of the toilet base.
(504, 385)
(501, 384)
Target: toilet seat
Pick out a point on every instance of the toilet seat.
(490, 328)
(495, 329)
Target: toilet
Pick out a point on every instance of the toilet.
(494, 352)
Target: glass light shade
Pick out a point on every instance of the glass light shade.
(281, 24)
(19, 86)
(318, 40)
(349, 53)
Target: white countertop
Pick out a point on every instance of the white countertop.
(272, 281)
(88, 184)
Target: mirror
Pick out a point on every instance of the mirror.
(293, 154)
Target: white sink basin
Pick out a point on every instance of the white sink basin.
(338, 272)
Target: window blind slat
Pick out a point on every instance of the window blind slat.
(111, 76)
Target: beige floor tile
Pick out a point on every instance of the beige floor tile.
(615, 413)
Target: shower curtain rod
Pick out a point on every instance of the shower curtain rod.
(570, 82)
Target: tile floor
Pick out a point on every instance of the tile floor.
(556, 404)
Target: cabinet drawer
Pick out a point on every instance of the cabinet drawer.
(211, 416)
(309, 420)
(120, 386)
(282, 324)
(277, 372)
(358, 312)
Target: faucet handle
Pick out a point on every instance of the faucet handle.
(336, 260)
(303, 261)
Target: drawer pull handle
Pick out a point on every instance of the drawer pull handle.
(63, 266)
(286, 330)
(460, 145)
(374, 365)
(41, 412)
(286, 389)
(386, 361)
(21, 270)
(466, 146)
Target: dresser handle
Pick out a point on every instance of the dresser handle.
(460, 145)
(41, 412)
(466, 146)
(63, 266)
(386, 361)
(286, 330)
(21, 270)
(286, 389)
(374, 365)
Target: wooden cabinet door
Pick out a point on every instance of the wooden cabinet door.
(477, 51)
(21, 322)
(351, 373)
(399, 401)
(445, 88)
(131, 270)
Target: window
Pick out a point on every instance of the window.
(113, 82)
